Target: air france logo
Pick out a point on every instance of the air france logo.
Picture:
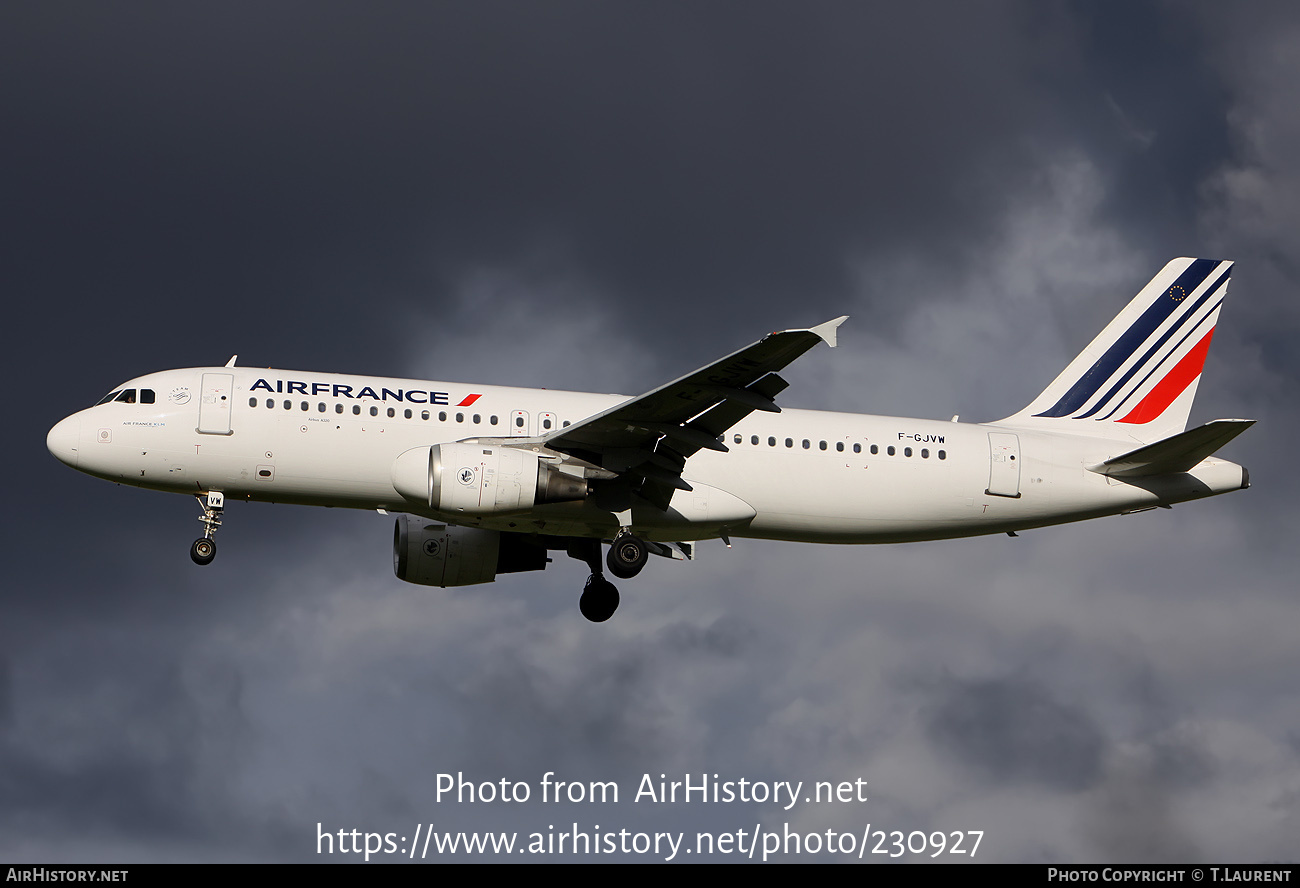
(336, 390)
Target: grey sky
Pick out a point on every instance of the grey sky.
(603, 196)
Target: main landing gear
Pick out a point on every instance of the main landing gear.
(627, 555)
(599, 599)
(204, 548)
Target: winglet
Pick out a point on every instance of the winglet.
(827, 330)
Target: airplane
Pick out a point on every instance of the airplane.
(486, 480)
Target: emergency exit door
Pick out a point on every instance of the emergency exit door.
(1004, 465)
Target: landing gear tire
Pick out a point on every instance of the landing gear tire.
(599, 600)
(627, 555)
(203, 551)
(204, 548)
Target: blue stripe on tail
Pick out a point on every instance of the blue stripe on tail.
(1129, 341)
(1209, 292)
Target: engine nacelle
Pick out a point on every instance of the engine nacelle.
(481, 479)
(430, 554)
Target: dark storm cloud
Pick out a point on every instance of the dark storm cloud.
(1014, 730)
(278, 163)
(585, 733)
(1135, 813)
(6, 693)
(1167, 108)
(600, 196)
(112, 745)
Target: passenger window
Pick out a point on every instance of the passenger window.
(874, 449)
(839, 445)
(391, 412)
(424, 414)
(738, 439)
(288, 405)
(338, 408)
(943, 454)
(890, 450)
(146, 396)
(407, 412)
(771, 442)
(252, 402)
(925, 454)
(754, 440)
(821, 445)
(305, 405)
(320, 408)
(907, 451)
(805, 444)
(442, 416)
(374, 411)
(269, 403)
(356, 409)
(478, 418)
(789, 442)
(565, 425)
(460, 417)
(857, 448)
(493, 419)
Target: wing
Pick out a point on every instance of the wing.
(651, 436)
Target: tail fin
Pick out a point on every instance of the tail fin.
(1138, 377)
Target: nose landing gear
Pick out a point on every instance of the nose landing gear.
(204, 548)
(203, 551)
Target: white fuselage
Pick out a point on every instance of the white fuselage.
(332, 440)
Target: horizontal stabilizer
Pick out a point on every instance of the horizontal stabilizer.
(1175, 454)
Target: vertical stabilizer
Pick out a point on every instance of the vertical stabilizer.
(1138, 378)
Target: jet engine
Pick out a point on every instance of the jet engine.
(482, 479)
(431, 554)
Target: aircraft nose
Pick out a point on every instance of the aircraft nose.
(64, 439)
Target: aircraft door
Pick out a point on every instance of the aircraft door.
(518, 424)
(215, 402)
(1004, 465)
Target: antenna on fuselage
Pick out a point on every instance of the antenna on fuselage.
(231, 362)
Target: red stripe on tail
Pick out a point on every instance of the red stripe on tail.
(1173, 385)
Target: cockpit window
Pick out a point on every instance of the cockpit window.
(128, 396)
